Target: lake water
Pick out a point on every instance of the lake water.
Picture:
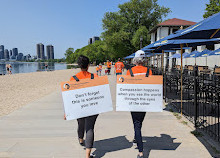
(26, 67)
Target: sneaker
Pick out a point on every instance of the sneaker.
(134, 142)
(92, 156)
(140, 156)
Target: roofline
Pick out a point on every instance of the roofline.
(166, 26)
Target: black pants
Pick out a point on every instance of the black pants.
(87, 123)
(138, 118)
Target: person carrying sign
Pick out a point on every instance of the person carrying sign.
(119, 66)
(87, 123)
(109, 65)
(138, 117)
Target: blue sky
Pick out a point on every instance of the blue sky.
(69, 23)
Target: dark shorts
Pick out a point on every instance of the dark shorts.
(118, 74)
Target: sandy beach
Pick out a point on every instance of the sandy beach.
(18, 90)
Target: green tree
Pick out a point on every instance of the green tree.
(69, 55)
(142, 32)
(212, 8)
(122, 29)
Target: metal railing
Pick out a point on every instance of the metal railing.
(201, 97)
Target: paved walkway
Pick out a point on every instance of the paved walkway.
(39, 131)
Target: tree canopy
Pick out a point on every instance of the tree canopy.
(123, 30)
(212, 8)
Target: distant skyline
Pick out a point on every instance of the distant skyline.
(69, 23)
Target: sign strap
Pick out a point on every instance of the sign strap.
(76, 78)
(92, 76)
(148, 71)
(131, 72)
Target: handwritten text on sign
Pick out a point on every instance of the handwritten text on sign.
(139, 93)
(86, 97)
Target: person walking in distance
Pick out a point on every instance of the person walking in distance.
(119, 67)
(100, 69)
(109, 66)
(97, 70)
(138, 117)
(85, 124)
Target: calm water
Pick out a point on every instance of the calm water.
(25, 67)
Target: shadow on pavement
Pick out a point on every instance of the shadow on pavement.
(165, 142)
(110, 145)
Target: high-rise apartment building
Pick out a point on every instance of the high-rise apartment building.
(50, 52)
(10, 53)
(20, 56)
(40, 51)
(90, 41)
(15, 52)
(93, 39)
(6, 54)
(2, 52)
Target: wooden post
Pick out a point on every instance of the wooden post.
(181, 73)
(162, 60)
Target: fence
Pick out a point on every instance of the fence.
(201, 96)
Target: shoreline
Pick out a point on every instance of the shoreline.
(22, 88)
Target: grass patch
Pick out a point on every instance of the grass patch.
(184, 122)
(175, 114)
(171, 110)
(178, 117)
(196, 133)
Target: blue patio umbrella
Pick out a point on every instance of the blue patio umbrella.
(204, 53)
(165, 44)
(206, 29)
(175, 56)
(152, 54)
(130, 56)
(191, 54)
(216, 52)
(133, 54)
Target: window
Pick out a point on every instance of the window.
(174, 30)
(210, 47)
(194, 48)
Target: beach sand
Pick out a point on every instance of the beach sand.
(18, 90)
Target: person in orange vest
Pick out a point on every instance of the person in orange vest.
(100, 69)
(109, 66)
(138, 117)
(97, 70)
(87, 123)
(119, 67)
